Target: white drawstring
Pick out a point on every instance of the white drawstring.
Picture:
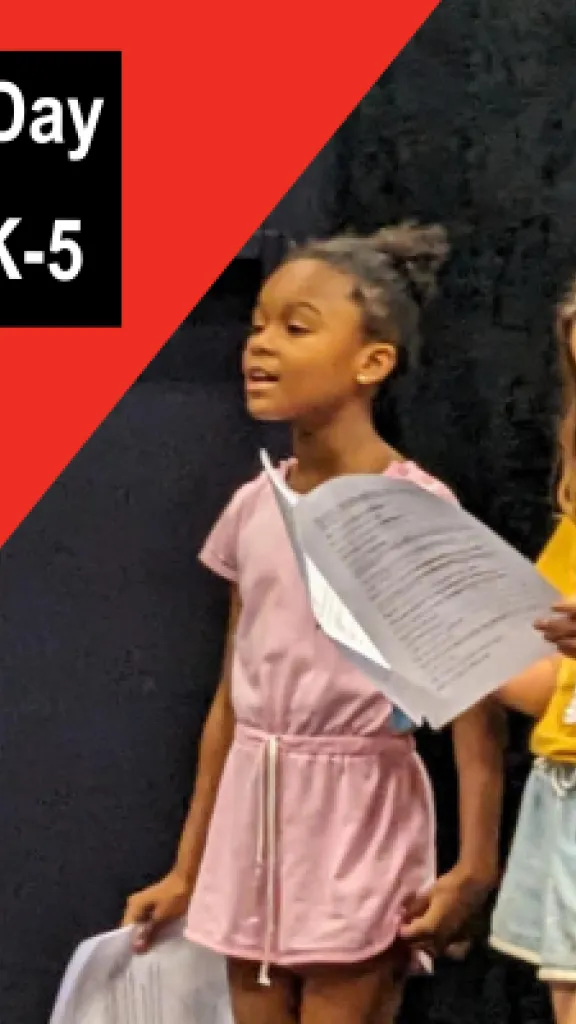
(562, 776)
(266, 839)
(267, 827)
(262, 810)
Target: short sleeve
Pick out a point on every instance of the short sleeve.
(410, 471)
(220, 550)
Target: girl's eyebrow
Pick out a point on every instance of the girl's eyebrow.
(293, 307)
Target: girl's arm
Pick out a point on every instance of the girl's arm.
(214, 747)
(479, 739)
(531, 691)
(440, 916)
(479, 735)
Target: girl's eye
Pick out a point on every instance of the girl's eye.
(256, 329)
(297, 329)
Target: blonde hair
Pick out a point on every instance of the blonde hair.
(565, 324)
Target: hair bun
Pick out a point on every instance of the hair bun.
(417, 252)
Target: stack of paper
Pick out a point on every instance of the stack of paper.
(175, 983)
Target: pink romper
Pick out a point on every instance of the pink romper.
(324, 821)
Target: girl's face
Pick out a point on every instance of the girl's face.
(307, 356)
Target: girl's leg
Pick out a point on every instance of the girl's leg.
(564, 1002)
(368, 993)
(253, 1003)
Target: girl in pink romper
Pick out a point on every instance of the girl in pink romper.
(312, 824)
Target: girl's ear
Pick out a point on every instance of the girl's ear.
(377, 361)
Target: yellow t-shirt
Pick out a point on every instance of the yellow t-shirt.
(555, 734)
(557, 563)
(554, 737)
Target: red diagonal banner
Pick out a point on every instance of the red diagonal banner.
(224, 106)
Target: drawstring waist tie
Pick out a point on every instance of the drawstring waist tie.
(562, 776)
(271, 748)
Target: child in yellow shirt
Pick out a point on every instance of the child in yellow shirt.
(535, 916)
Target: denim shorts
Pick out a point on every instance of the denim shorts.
(535, 916)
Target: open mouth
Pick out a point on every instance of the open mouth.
(258, 376)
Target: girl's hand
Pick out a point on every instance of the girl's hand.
(440, 917)
(561, 630)
(154, 907)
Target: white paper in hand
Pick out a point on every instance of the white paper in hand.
(329, 611)
(441, 599)
(175, 983)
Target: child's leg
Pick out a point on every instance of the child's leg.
(368, 993)
(253, 1003)
(564, 1003)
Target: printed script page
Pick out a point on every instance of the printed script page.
(329, 611)
(447, 603)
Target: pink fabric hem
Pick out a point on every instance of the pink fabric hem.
(421, 965)
(218, 567)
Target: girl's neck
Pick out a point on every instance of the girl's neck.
(345, 444)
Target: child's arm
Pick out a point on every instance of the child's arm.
(479, 739)
(531, 691)
(440, 915)
(168, 899)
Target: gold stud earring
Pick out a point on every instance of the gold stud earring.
(361, 379)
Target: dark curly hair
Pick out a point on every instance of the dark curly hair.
(395, 272)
